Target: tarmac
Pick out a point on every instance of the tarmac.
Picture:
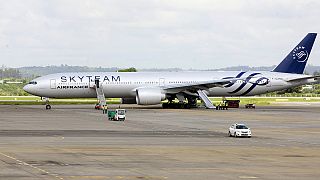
(75, 142)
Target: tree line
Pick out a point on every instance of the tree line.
(9, 73)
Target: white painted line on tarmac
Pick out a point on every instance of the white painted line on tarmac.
(248, 177)
(31, 166)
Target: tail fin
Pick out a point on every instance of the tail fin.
(296, 60)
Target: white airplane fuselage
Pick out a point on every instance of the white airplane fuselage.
(124, 84)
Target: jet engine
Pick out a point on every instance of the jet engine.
(149, 96)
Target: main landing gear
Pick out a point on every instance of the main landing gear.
(191, 103)
(48, 106)
(174, 105)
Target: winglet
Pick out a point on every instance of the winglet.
(296, 60)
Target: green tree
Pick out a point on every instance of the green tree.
(317, 88)
(132, 69)
(291, 90)
(9, 73)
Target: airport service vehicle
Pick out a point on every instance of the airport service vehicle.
(117, 115)
(98, 106)
(232, 103)
(248, 106)
(239, 130)
(150, 88)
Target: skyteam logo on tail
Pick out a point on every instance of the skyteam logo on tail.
(300, 54)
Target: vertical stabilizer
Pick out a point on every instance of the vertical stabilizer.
(296, 60)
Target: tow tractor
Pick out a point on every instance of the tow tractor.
(117, 114)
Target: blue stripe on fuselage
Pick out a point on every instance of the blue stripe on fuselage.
(233, 82)
(244, 83)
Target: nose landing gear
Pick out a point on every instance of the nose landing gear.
(48, 106)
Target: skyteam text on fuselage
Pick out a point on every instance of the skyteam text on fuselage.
(148, 88)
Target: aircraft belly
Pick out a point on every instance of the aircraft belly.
(118, 91)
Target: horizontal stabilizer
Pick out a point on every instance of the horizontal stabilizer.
(305, 78)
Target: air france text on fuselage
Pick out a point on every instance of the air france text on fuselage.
(72, 87)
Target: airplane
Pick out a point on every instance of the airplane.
(151, 88)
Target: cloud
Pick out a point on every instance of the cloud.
(154, 34)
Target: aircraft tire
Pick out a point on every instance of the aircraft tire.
(165, 105)
(48, 106)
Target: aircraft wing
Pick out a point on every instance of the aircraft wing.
(200, 85)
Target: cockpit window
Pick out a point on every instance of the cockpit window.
(33, 82)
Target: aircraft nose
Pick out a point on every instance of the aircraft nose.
(26, 88)
(29, 89)
(32, 87)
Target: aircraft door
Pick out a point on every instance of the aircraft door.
(53, 84)
(161, 82)
(92, 83)
(269, 83)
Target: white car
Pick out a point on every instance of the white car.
(239, 130)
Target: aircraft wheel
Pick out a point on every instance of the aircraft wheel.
(48, 106)
(187, 106)
(165, 105)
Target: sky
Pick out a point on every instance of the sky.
(188, 34)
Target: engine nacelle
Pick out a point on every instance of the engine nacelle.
(128, 101)
(149, 96)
